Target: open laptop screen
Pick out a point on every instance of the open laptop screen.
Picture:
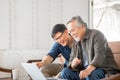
(33, 71)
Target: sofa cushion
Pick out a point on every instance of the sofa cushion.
(115, 47)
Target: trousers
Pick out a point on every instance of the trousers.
(70, 74)
(52, 70)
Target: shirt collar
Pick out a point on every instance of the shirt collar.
(87, 34)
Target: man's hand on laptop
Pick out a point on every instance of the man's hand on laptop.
(40, 64)
(45, 61)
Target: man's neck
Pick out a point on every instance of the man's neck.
(70, 41)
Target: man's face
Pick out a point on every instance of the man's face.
(75, 30)
(62, 38)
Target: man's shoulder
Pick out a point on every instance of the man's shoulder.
(57, 45)
(94, 32)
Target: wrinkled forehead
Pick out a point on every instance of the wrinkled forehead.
(71, 25)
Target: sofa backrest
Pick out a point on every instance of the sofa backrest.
(115, 47)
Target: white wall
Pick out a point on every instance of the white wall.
(25, 27)
(26, 24)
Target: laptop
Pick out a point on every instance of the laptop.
(35, 73)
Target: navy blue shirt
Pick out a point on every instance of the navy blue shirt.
(58, 49)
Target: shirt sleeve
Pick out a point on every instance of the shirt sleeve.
(54, 51)
(99, 45)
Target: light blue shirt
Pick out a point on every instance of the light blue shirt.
(85, 58)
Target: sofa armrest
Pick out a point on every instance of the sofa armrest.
(30, 61)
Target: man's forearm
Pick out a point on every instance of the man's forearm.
(90, 68)
(47, 60)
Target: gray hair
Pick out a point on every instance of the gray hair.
(79, 21)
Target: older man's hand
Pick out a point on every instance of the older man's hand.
(75, 62)
(86, 72)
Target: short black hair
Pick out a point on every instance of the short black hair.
(58, 28)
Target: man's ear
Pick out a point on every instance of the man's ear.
(66, 31)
